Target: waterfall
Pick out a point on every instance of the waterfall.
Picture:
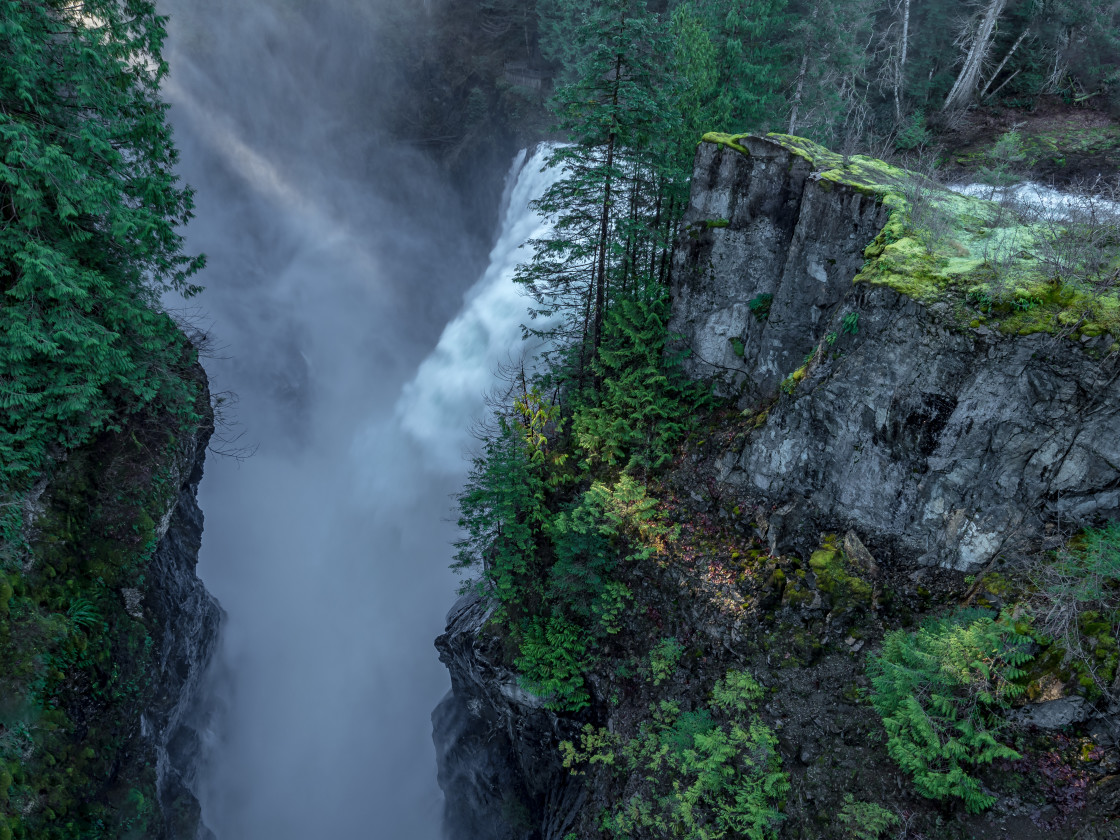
(439, 406)
(335, 259)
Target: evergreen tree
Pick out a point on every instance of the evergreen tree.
(754, 61)
(90, 206)
(615, 113)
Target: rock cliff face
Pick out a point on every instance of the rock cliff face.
(105, 632)
(185, 621)
(938, 443)
(496, 746)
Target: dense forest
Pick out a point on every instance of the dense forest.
(100, 393)
(869, 76)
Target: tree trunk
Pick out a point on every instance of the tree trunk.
(1010, 53)
(900, 71)
(964, 88)
(797, 92)
(655, 245)
(604, 220)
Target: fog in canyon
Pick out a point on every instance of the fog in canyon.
(336, 258)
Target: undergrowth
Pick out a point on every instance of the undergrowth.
(939, 691)
(708, 773)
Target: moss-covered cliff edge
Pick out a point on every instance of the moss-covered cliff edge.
(833, 613)
(105, 631)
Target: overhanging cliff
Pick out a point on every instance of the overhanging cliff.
(106, 632)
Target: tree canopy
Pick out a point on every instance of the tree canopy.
(89, 206)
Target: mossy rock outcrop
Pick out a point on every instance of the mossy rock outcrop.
(943, 411)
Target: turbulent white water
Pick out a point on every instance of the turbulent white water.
(440, 404)
(336, 257)
(1051, 203)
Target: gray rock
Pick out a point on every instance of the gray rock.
(935, 444)
(497, 747)
(186, 620)
(1053, 714)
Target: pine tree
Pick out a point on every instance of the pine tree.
(615, 113)
(90, 205)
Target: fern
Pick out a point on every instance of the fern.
(642, 406)
(939, 691)
(865, 820)
(553, 658)
(707, 773)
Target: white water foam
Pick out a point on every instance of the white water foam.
(439, 405)
(1053, 204)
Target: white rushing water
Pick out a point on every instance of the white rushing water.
(336, 257)
(1049, 202)
(439, 406)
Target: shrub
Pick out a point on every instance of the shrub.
(939, 691)
(1078, 596)
(697, 774)
(865, 820)
(643, 405)
(913, 134)
(663, 659)
(554, 655)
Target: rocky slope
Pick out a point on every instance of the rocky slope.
(882, 438)
(106, 633)
(496, 743)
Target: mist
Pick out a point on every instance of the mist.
(336, 257)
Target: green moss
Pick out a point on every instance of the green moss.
(717, 223)
(836, 579)
(940, 246)
(790, 383)
(75, 665)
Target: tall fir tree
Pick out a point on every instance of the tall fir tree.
(616, 112)
(89, 205)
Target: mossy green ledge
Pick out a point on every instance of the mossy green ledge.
(893, 405)
(997, 263)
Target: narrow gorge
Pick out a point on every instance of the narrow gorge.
(888, 450)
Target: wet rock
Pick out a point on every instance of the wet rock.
(1053, 714)
(497, 748)
(185, 624)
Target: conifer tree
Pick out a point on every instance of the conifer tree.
(89, 205)
(614, 111)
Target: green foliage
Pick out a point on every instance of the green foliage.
(698, 774)
(939, 691)
(96, 385)
(643, 406)
(554, 655)
(865, 820)
(501, 511)
(760, 306)
(1077, 604)
(663, 659)
(850, 323)
(737, 693)
(913, 134)
(1003, 163)
(746, 44)
(91, 207)
(551, 571)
